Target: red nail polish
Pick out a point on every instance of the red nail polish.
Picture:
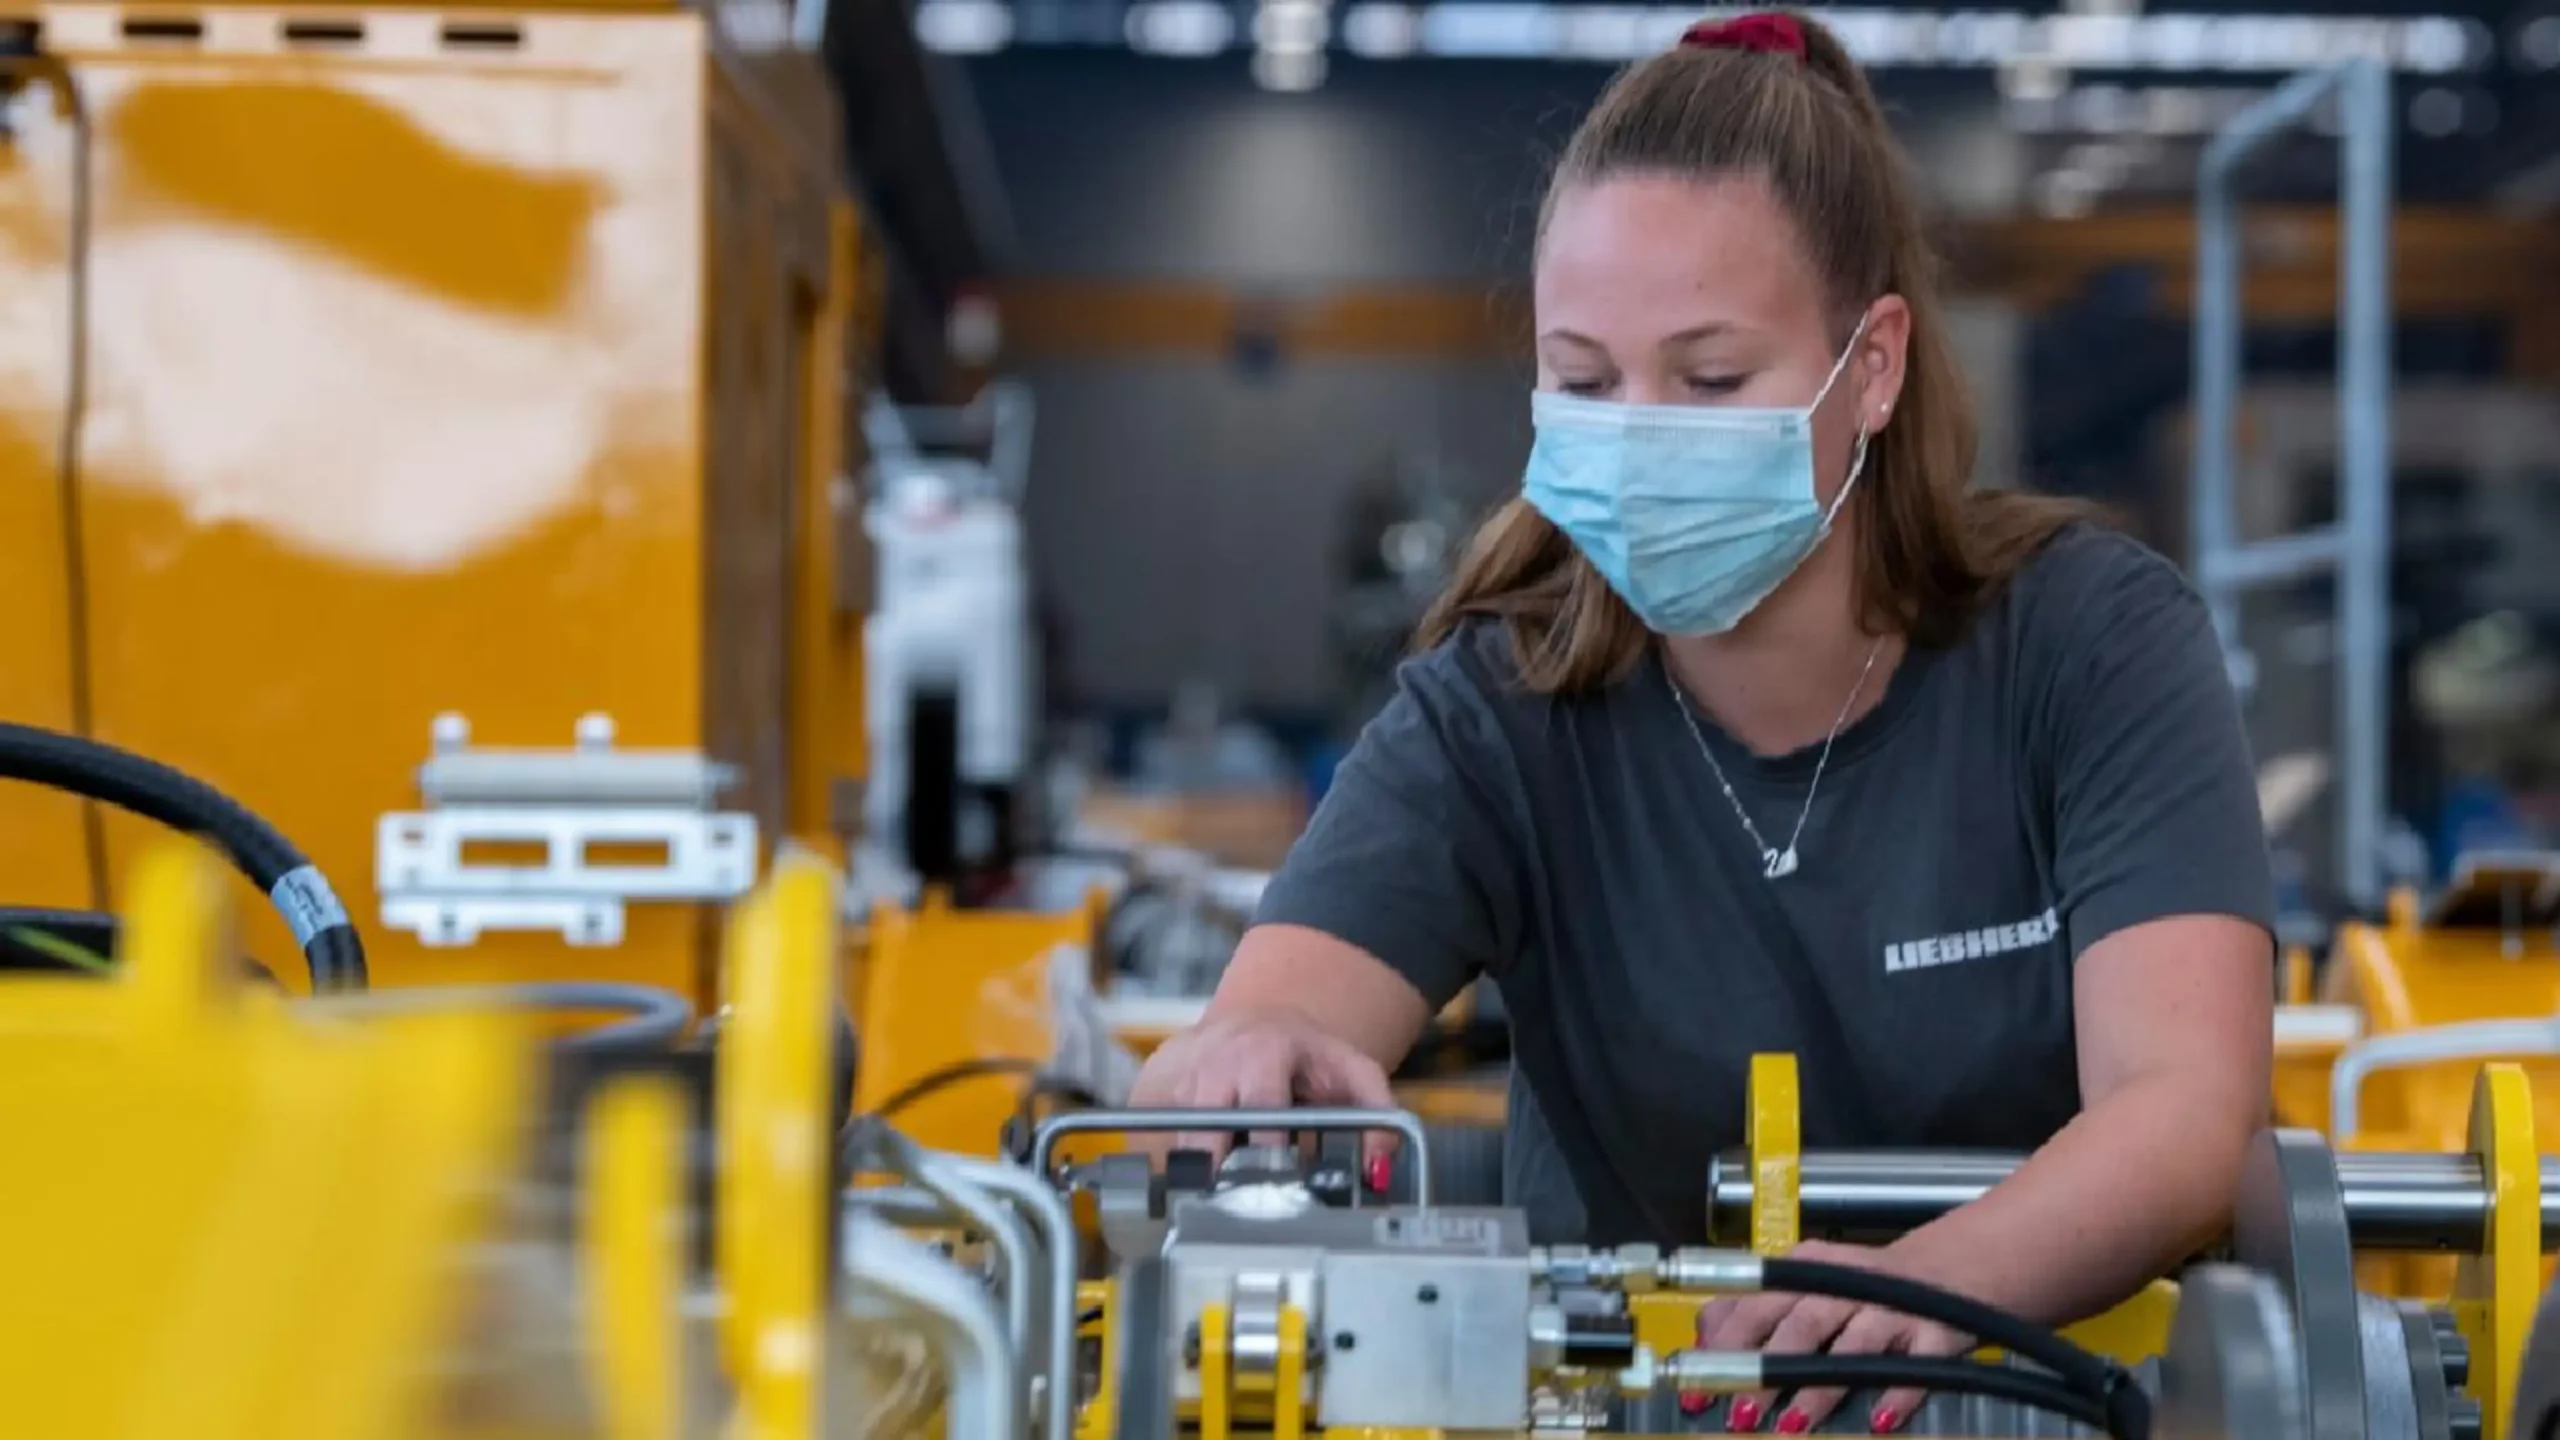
(1694, 1402)
(1746, 1416)
(1793, 1423)
(1885, 1420)
(1381, 1172)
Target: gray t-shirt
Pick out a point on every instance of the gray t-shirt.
(2075, 765)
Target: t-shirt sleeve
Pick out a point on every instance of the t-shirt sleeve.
(2155, 798)
(1406, 856)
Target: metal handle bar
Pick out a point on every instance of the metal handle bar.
(2409, 1203)
(1315, 1120)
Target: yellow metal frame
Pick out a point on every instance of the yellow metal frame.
(2495, 1292)
(549, 421)
(2134, 1330)
(775, 1072)
(632, 1262)
(937, 987)
(222, 1184)
(1774, 1131)
(2404, 976)
(1227, 1398)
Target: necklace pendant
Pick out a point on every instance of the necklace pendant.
(1778, 864)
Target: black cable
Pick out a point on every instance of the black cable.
(101, 772)
(75, 538)
(73, 106)
(1036, 1083)
(2128, 1409)
(1947, 1376)
(654, 1020)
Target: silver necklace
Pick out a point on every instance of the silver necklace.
(1775, 864)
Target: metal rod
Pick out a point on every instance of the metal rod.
(2395, 1202)
(2274, 562)
(1311, 1120)
(890, 1277)
(2364, 477)
(1045, 1210)
(872, 1148)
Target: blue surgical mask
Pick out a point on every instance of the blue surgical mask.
(1693, 514)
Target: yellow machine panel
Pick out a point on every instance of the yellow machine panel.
(2408, 976)
(957, 1015)
(433, 361)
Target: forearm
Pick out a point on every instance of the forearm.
(2139, 1182)
(1337, 987)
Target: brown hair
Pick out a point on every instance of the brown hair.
(1931, 553)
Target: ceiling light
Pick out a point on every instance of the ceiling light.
(1288, 71)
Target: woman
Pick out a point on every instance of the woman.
(1746, 728)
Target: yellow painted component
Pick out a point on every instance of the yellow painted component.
(2137, 1330)
(2406, 976)
(2134, 1331)
(1666, 1320)
(1217, 1402)
(435, 361)
(938, 987)
(1461, 1100)
(1289, 1377)
(1776, 1139)
(2297, 975)
(2495, 1292)
(632, 1265)
(242, 1222)
(775, 1071)
(1102, 1412)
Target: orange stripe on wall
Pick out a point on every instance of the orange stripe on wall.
(2446, 262)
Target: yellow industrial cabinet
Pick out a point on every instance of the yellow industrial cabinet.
(423, 361)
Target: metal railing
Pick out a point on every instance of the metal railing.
(2356, 549)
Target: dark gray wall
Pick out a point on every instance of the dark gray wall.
(1128, 168)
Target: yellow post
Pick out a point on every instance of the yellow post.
(1289, 1402)
(775, 1068)
(1217, 1395)
(2495, 1291)
(1775, 1135)
(1101, 1412)
(633, 1265)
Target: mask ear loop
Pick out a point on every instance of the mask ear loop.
(1858, 457)
(1839, 366)
(1857, 467)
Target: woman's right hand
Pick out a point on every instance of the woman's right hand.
(1262, 1059)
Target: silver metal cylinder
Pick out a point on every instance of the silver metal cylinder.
(2395, 1202)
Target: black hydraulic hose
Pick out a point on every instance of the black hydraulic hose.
(657, 1018)
(1943, 1376)
(103, 773)
(2127, 1408)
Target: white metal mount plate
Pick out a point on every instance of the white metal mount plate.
(578, 865)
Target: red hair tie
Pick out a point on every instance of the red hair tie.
(1768, 32)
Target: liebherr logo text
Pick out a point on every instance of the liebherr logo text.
(1964, 945)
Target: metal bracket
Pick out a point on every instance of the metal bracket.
(565, 812)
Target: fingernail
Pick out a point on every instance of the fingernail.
(1885, 1420)
(1793, 1423)
(1381, 1170)
(1694, 1402)
(1746, 1415)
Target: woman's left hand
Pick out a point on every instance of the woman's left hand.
(1811, 1324)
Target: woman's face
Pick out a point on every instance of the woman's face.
(1658, 290)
